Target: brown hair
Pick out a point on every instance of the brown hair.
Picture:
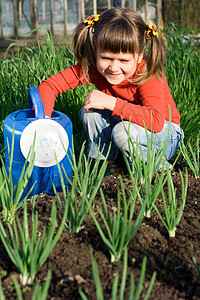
(118, 30)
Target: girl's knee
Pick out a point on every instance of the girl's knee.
(124, 130)
(87, 115)
(120, 134)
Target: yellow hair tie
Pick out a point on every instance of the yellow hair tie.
(151, 30)
(91, 20)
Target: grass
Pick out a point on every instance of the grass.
(192, 157)
(11, 197)
(38, 291)
(26, 249)
(87, 176)
(182, 70)
(149, 180)
(173, 207)
(120, 228)
(118, 288)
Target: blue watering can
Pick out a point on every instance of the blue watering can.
(53, 139)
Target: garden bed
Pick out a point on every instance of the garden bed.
(177, 277)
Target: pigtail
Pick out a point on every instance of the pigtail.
(157, 55)
(83, 48)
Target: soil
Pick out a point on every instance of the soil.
(177, 277)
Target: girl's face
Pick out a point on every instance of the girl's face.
(117, 67)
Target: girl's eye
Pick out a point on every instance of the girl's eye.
(121, 60)
(105, 58)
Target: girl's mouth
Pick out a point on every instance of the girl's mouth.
(114, 74)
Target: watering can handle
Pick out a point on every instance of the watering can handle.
(35, 101)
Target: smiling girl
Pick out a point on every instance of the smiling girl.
(131, 86)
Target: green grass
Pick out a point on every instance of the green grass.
(182, 69)
(26, 249)
(118, 288)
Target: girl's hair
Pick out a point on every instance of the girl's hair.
(118, 30)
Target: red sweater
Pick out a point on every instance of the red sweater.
(140, 104)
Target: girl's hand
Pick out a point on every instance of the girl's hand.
(99, 100)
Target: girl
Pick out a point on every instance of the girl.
(130, 85)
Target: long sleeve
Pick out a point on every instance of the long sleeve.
(57, 84)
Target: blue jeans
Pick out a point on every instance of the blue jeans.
(102, 129)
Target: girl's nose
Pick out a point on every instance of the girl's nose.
(114, 65)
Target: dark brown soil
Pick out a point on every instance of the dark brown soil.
(177, 277)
